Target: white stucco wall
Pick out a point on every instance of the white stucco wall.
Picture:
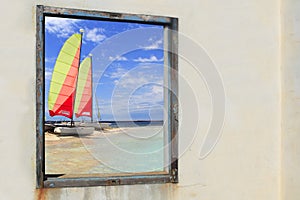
(291, 99)
(242, 37)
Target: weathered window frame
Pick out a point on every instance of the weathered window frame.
(120, 179)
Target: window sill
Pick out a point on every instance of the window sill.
(108, 180)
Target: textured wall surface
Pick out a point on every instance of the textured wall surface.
(242, 37)
(291, 99)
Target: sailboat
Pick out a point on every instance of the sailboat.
(71, 87)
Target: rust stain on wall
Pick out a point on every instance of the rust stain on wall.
(41, 194)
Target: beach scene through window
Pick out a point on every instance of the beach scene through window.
(105, 97)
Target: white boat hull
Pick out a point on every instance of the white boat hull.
(74, 130)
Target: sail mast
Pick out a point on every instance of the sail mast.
(81, 33)
(92, 86)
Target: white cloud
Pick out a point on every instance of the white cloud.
(129, 81)
(147, 95)
(50, 60)
(151, 59)
(155, 45)
(117, 58)
(48, 73)
(94, 35)
(61, 27)
(118, 73)
(65, 27)
(116, 82)
(157, 89)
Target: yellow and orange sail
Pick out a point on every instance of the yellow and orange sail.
(83, 101)
(71, 85)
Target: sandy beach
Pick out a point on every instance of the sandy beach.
(112, 150)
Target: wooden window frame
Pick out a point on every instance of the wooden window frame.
(97, 179)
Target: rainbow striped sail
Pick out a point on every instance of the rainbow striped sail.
(83, 101)
(62, 90)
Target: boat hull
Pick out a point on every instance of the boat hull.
(66, 131)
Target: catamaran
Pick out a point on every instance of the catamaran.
(71, 87)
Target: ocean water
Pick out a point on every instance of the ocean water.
(133, 149)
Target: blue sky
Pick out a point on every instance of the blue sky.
(128, 65)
